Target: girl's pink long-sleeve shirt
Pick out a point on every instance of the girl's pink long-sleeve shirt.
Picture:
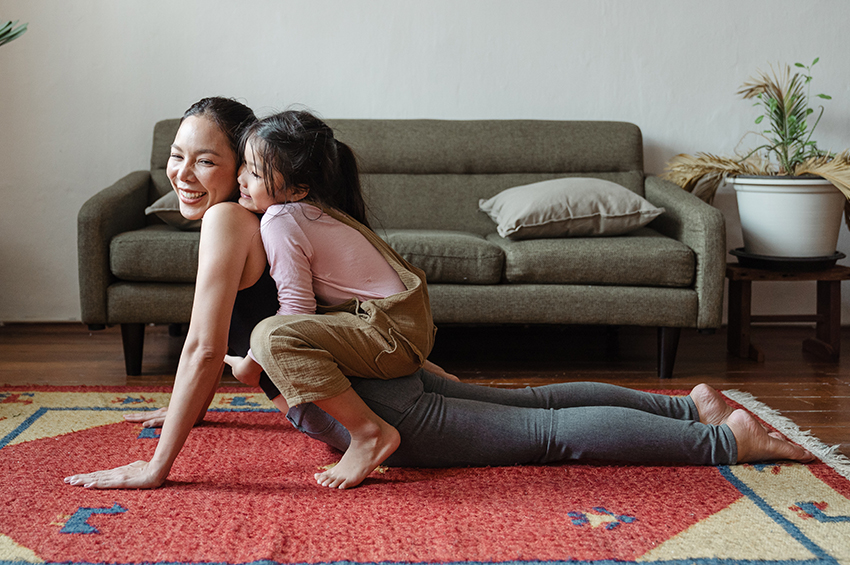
(314, 259)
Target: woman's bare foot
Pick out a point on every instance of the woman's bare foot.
(364, 454)
(711, 405)
(756, 444)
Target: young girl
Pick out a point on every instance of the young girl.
(349, 305)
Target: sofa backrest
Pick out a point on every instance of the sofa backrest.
(430, 174)
(163, 136)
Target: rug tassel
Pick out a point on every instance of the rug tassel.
(826, 453)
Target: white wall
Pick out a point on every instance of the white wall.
(81, 90)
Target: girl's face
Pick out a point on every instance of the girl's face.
(253, 194)
(202, 166)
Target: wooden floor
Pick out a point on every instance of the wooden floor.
(815, 394)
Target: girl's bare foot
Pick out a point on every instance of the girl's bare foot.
(364, 454)
(756, 444)
(711, 405)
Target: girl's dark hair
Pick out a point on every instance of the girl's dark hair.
(302, 148)
(232, 118)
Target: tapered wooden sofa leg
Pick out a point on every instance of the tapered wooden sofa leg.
(133, 338)
(668, 344)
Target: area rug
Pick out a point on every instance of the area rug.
(242, 492)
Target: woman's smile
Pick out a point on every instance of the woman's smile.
(201, 167)
(189, 196)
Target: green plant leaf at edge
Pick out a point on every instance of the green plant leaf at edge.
(9, 32)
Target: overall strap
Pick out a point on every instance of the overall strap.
(401, 266)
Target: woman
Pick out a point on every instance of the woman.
(203, 168)
(441, 422)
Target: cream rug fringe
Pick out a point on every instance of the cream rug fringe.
(827, 454)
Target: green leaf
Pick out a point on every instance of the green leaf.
(801, 65)
(759, 119)
(825, 96)
(815, 62)
(9, 32)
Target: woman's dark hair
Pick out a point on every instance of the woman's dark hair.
(232, 118)
(302, 148)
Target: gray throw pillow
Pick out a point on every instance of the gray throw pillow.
(575, 206)
(167, 209)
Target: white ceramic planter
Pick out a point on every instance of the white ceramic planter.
(789, 217)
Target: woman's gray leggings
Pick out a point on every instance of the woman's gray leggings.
(444, 423)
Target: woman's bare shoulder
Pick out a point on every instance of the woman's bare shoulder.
(230, 211)
(230, 233)
(231, 218)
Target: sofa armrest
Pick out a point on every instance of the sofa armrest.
(701, 227)
(113, 210)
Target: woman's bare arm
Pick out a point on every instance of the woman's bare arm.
(231, 257)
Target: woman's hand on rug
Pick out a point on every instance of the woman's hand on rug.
(134, 475)
(155, 418)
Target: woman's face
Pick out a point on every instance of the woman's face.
(202, 166)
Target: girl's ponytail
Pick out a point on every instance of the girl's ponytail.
(349, 178)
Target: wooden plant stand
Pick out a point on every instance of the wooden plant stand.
(826, 344)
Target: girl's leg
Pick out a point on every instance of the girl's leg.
(307, 358)
(372, 440)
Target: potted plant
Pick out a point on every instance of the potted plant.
(8, 31)
(790, 193)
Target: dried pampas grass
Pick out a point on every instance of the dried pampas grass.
(703, 173)
(836, 170)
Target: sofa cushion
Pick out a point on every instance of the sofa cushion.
(449, 256)
(577, 206)
(161, 253)
(641, 258)
(155, 253)
(167, 209)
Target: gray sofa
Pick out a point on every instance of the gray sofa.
(423, 180)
